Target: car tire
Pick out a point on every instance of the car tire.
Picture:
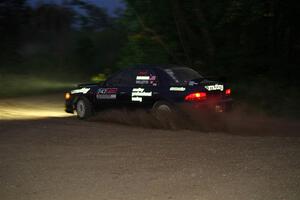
(84, 108)
(165, 113)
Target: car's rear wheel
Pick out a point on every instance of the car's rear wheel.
(162, 107)
(84, 108)
(165, 113)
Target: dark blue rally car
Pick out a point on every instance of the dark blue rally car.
(156, 88)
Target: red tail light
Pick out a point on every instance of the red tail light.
(198, 96)
(228, 91)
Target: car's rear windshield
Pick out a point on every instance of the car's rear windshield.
(182, 75)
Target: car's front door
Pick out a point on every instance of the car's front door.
(106, 97)
(121, 84)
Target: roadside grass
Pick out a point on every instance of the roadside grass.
(14, 85)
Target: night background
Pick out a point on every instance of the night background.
(250, 151)
(255, 44)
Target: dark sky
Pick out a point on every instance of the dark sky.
(110, 5)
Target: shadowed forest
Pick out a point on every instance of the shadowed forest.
(255, 44)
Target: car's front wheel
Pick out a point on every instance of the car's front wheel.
(84, 108)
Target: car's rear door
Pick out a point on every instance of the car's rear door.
(146, 89)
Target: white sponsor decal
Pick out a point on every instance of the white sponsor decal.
(106, 96)
(138, 93)
(107, 93)
(139, 99)
(214, 87)
(82, 90)
(143, 78)
(178, 89)
(142, 82)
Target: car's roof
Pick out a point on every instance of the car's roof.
(157, 66)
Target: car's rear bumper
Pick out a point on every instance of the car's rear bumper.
(221, 105)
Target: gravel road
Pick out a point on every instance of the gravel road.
(62, 158)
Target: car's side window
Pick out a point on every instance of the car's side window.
(145, 77)
(123, 79)
(128, 79)
(115, 80)
(134, 77)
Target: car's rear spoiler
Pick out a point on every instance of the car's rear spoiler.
(216, 78)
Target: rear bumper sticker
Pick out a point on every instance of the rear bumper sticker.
(214, 87)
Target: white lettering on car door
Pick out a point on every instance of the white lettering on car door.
(138, 94)
(143, 78)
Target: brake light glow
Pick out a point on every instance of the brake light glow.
(228, 91)
(198, 96)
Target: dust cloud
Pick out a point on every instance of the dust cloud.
(243, 120)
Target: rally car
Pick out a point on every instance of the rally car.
(155, 88)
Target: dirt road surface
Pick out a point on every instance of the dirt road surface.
(62, 158)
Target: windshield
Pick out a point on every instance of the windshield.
(182, 75)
